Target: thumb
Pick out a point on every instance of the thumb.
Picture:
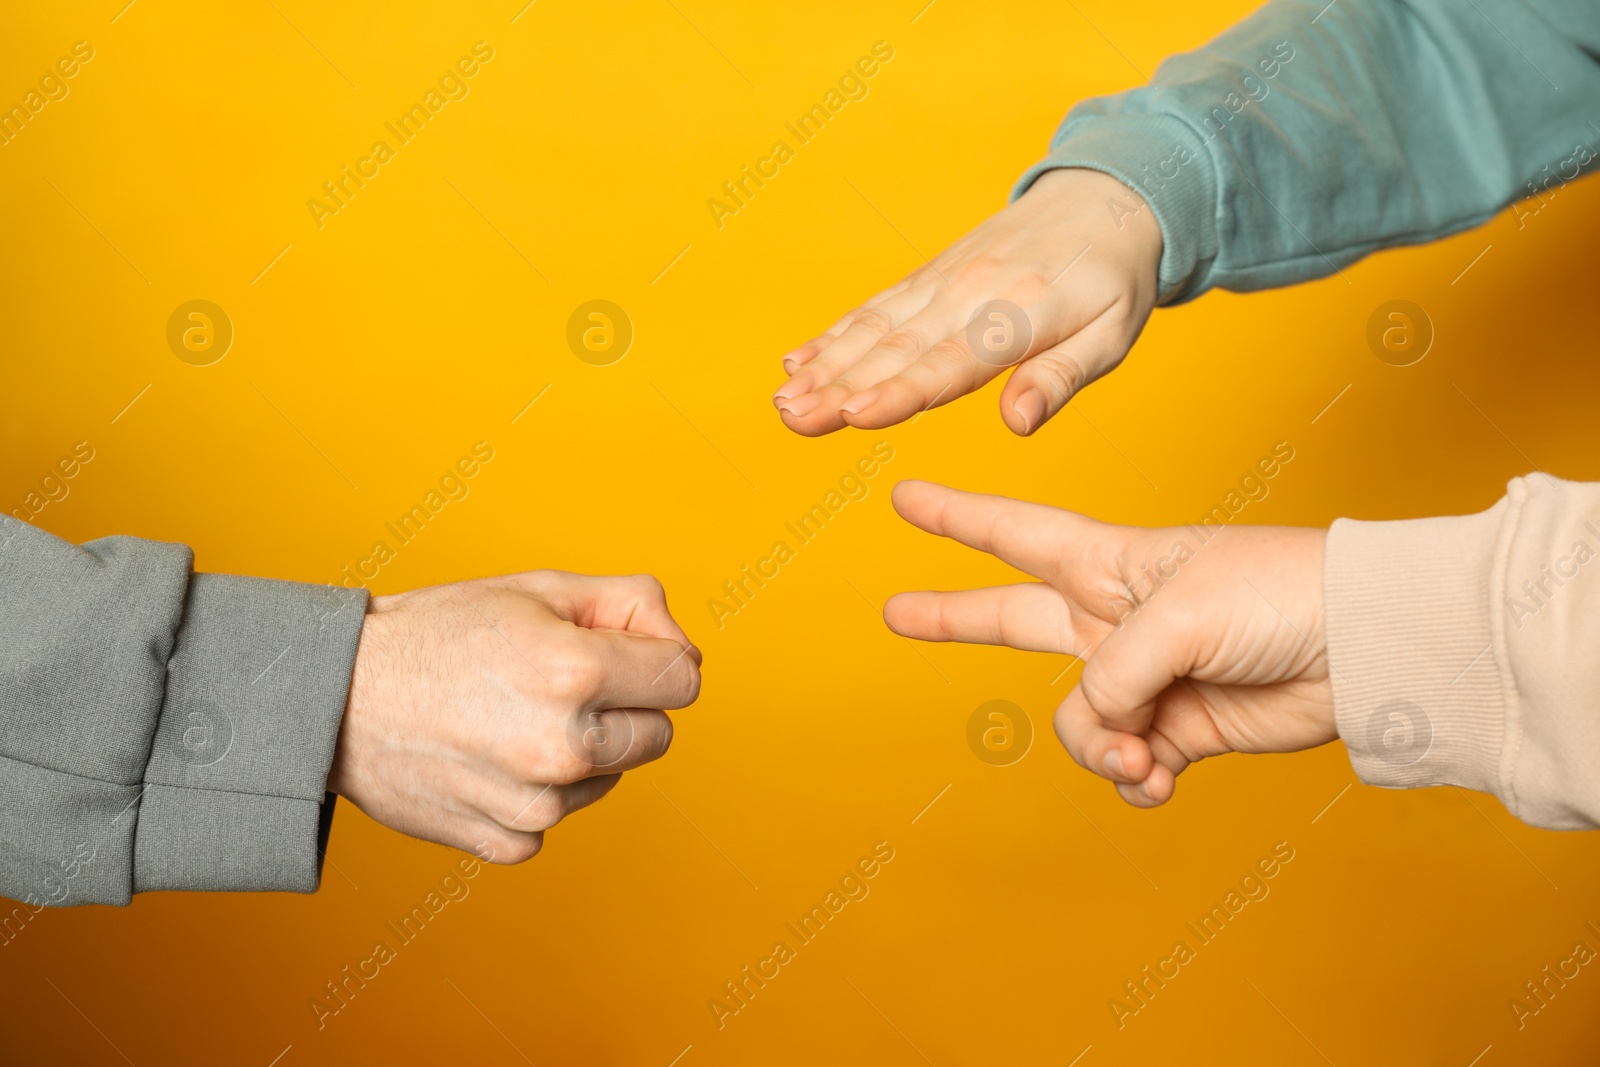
(1105, 722)
(1041, 386)
(1135, 664)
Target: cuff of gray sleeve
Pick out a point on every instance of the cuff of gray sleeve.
(1166, 163)
(1417, 682)
(212, 841)
(256, 690)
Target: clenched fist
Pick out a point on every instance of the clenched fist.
(482, 713)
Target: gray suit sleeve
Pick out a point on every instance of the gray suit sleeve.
(161, 729)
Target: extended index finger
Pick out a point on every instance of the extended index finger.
(1027, 536)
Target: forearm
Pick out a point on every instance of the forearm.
(1466, 650)
(175, 728)
(1310, 135)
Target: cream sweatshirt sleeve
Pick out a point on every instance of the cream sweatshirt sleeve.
(1466, 650)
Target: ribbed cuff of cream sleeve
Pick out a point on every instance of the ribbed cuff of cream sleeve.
(1413, 649)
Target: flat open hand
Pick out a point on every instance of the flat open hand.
(1191, 647)
(1058, 285)
(482, 713)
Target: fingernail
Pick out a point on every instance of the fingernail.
(1030, 408)
(801, 406)
(1113, 762)
(788, 391)
(790, 365)
(859, 402)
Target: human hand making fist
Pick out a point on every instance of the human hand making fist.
(1191, 647)
(1057, 285)
(482, 713)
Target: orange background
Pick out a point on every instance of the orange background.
(427, 314)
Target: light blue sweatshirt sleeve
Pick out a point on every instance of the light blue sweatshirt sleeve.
(1311, 134)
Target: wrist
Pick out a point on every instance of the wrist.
(1166, 161)
(1119, 216)
(364, 678)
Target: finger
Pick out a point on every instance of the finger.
(897, 350)
(548, 804)
(580, 795)
(1031, 616)
(1135, 664)
(1039, 388)
(857, 395)
(617, 739)
(1154, 791)
(493, 843)
(583, 743)
(796, 358)
(1117, 755)
(1028, 536)
(636, 603)
(636, 671)
(865, 328)
(1166, 752)
(955, 367)
(945, 372)
(1159, 785)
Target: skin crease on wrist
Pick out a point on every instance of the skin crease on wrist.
(1078, 253)
(1227, 655)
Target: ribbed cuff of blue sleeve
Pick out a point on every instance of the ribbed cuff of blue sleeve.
(1167, 164)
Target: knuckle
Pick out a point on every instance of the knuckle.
(691, 688)
(540, 809)
(949, 357)
(602, 741)
(507, 847)
(900, 343)
(578, 676)
(649, 585)
(983, 272)
(1030, 287)
(873, 320)
(569, 763)
(980, 271)
(523, 847)
(1062, 375)
(557, 758)
(545, 578)
(820, 371)
(1099, 687)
